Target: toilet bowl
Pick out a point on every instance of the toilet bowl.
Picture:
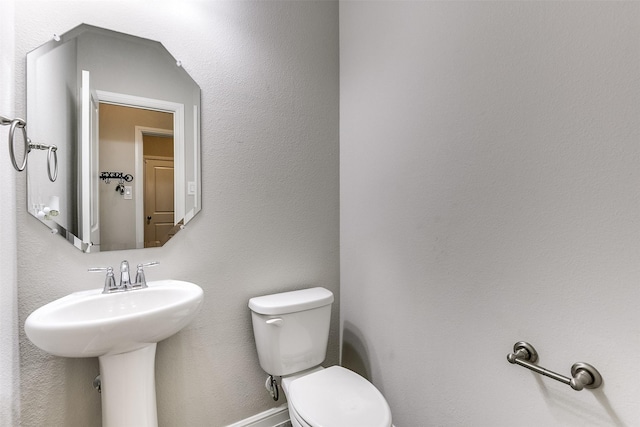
(335, 397)
(291, 330)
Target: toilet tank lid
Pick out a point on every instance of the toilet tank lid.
(291, 302)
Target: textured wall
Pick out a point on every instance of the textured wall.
(269, 78)
(490, 193)
(9, 359)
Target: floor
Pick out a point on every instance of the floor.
(285, 424)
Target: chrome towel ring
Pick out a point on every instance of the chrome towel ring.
(17, 123)
(52, 150)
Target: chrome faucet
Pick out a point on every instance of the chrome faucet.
(141, 281)
(125, 284)
(125, 279)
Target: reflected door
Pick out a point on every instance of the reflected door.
(158, 201)
(89, 227)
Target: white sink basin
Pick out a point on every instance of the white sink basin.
(90, 323)
(122, 330)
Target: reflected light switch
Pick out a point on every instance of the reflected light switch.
(127, 192)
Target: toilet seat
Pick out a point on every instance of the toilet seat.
(338, 397)
(294, 415)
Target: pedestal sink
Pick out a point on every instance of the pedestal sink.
(122, 330)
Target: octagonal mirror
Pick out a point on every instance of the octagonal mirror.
(125, 117)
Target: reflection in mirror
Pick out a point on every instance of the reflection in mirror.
(117, 106)
(138, 141)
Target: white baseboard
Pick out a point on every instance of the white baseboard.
(269, 418)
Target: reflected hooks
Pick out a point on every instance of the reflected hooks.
(108, 176)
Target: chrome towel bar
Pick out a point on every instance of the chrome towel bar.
(583, 375)
(52, 155)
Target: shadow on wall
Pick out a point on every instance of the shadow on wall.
(560, 401)
(355, 355)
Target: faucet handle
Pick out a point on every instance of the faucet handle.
(109, 280)
(141, 281)
(149, 264)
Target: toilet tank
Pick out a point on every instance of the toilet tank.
(291, 329)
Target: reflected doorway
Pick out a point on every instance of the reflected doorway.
(128, 135)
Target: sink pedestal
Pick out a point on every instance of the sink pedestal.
(121, 329)
(129, 388)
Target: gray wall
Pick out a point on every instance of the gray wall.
(9, 356)
(490, 193)
(269, 78)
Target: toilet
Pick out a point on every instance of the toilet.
(291, 330)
